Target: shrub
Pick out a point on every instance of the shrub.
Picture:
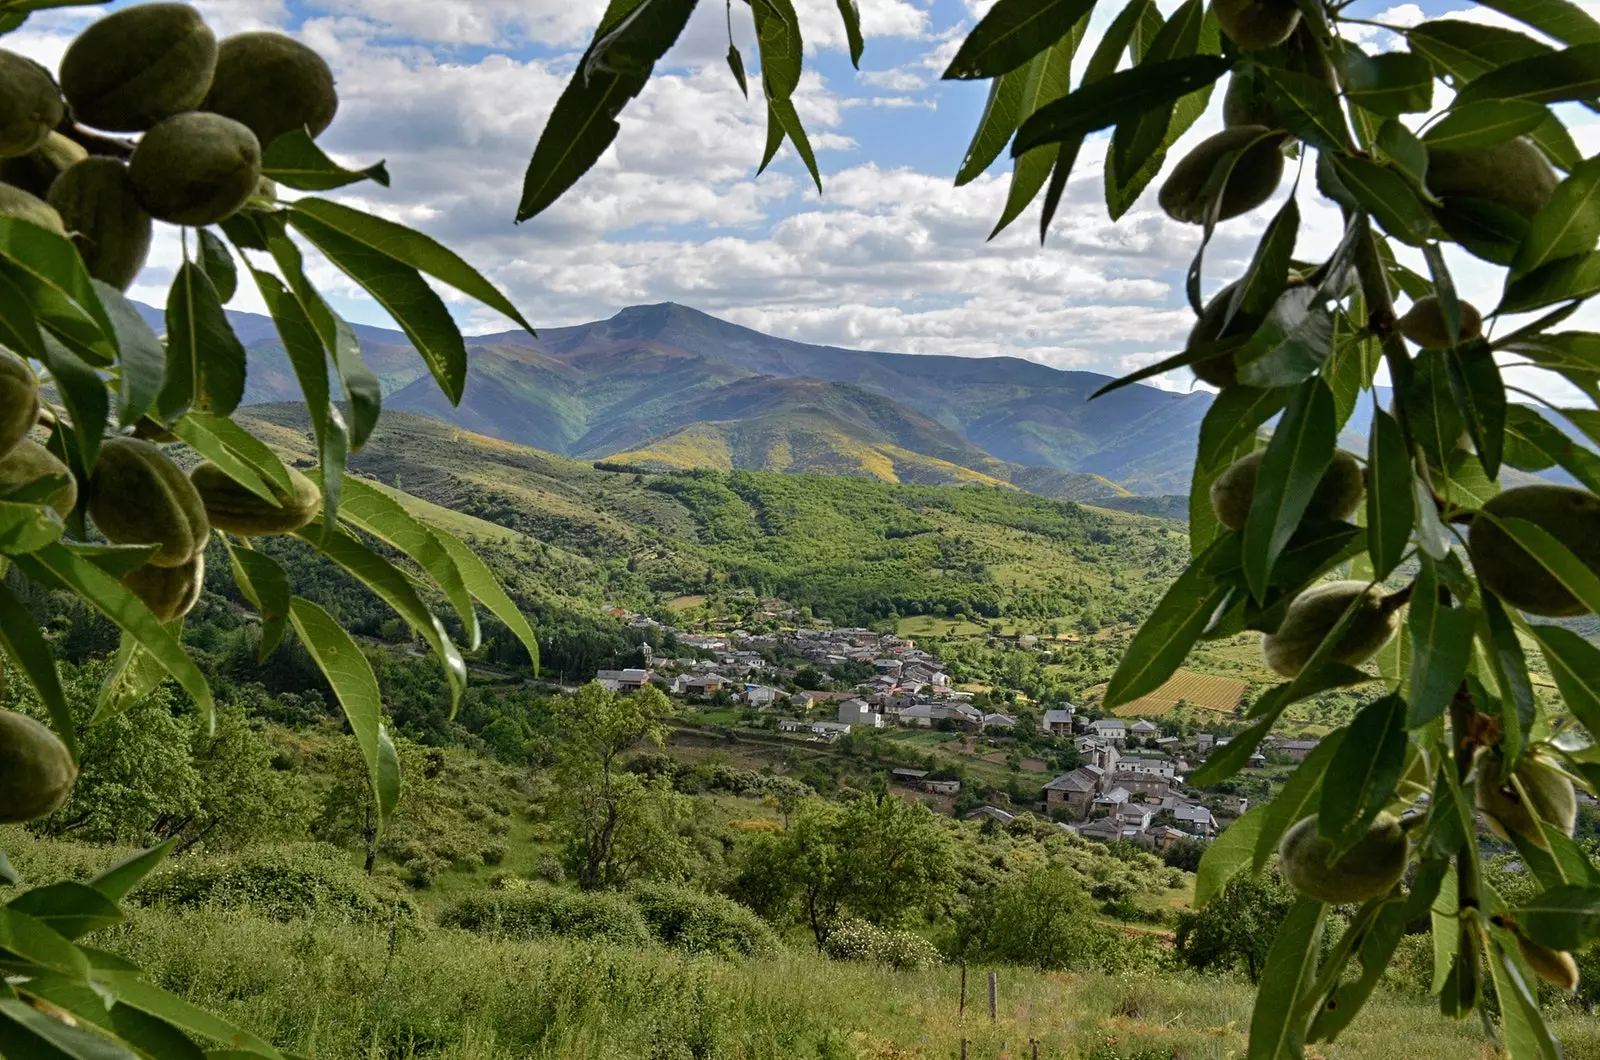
(857, 940)
(282, 882)
(541, 911)
(703, 923)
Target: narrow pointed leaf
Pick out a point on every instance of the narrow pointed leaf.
(852, 30)
(295, 161)
(1013, 32)
(20, 636)
(1275, 1034)
(1296, 458)
(205, 360)
(1117, 96)
(218, 264)
(141, 362)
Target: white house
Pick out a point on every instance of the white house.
(918, 714)
(1144, 729)
(1150, 767)
(1198, 818)
(762, 695)
(628, 680)
(999, 721)
(859, 712)
(1111, 729)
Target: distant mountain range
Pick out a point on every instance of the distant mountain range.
(669, 386)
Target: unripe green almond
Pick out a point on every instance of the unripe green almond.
(1246, 104)
(138, 66)
(1424, 323)
(1541, 792)
(1555, 967)
(14, 202)
(273, 84)
(1336, 498)
(1313, 614)
(35, 171)
(169, 592)
(1256, 24)
(28, 463)
(1220, 371)
(1514, 174)
(30, 104)
(36, 769)
(196, 169)
(137, 496)
(1571, 516)
(110, 228)
(231, 507)
(19, 400)
(1370, 868)
(1188, 193)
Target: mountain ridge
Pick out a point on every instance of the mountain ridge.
(653, 379)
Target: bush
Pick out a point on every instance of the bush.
(282, 882)
(703, 923)
(540, 911)
(857, 940)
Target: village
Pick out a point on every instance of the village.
(1128, 783)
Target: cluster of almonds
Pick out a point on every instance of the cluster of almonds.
(205, 109)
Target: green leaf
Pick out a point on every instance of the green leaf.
(1140, 137)
(106, 594)
(1526, 1036)
(119, 880)
(1567, 225)
(1390, 508)
(1407, 154)
(1171, 630)
(1573, 573)
(70, 908)
(205, 360)
(1045, 79)
(307, 357)
(1387, 196)
(1107, 54)
(1504, 656)
(224, 433)
(1563, 918)
(20, 636)
(1115, 97)
(1468, 50)
(410, 247)
(1293, 341)
(27, 1032)
(782, 111)
(1484, 124)
(1227, 855)
(218, 264)
(151, 1035)
(52, 260)
(375, 513)
(1484, 229)
(295, 161)
(83, 392)
(189, 1018)
(1307, 107)
(1537, 431)
(1275, 1033)
(1575, 665)
(1566, 22)
(1013, 32)
(1390, 84)
(778, 36)
(1376, 949)
(264, 584)
(401, 290)
(852, 30)
(395, 589)
(350, 674)
(1481, 395)
(142, 364)
(736, 64)
(1441, 647)
(1001, 114)
(361, 388)
(208, 445)
(1264, 281)
(1299, 453)
(1569, 74)
(1293, 800)
(38, 943)
(1362, 776)
(584, 121)
(486, 589)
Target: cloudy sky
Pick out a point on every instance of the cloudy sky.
(891, 256)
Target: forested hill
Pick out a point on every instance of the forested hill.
(674, 387)
(852, 549)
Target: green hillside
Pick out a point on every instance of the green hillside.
(854, 549)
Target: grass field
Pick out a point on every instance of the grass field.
(931, 626)
(1220, 694)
